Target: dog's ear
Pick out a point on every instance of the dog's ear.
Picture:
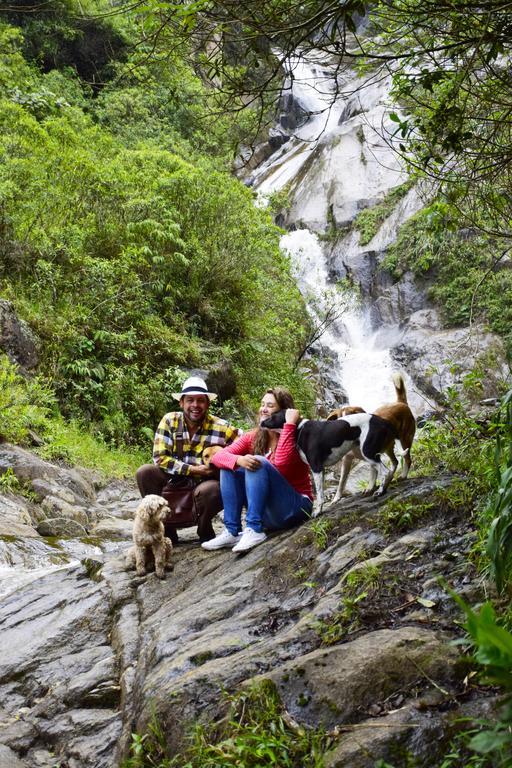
(164, 509)
(143, 510)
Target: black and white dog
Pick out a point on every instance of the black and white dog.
(322, 443)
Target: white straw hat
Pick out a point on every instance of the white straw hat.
(194, 386)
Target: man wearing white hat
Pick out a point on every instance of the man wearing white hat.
(178, 446)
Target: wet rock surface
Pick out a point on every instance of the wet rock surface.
(90, 651)
(17, 339)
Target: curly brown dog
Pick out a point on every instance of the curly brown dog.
(400, 416)
(150, 547)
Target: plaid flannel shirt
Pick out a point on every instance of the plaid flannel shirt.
(213, 431)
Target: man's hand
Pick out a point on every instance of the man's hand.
(248, 462)
(292, 416)
(200, 470)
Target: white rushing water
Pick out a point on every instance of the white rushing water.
(360, 364)
(332, 166)
(26, 559)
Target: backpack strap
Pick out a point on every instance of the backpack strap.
(179, 438)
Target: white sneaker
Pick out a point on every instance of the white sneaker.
(223, 539)
(249, 540)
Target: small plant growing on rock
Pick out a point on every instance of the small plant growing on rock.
(320, 528)
(359, 584)
(399, 515)
(9, 483)
(257, 732)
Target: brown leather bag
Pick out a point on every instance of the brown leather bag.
(179, 494)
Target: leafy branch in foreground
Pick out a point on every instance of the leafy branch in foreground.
(499, 542)
(493, 651)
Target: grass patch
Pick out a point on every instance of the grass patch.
(257, 732)
(398, 515)
(68, 442)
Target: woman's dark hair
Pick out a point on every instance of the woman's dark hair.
(262, 436)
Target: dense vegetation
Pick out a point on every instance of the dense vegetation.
(124, 240)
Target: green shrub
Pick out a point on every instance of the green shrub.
(492, 646)
(25, 404)
(369, 221)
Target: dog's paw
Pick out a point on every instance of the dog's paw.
(316, 511)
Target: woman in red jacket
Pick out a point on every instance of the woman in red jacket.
(263, 471)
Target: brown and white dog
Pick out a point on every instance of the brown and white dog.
(323, 443)
(404, 424)
(150, 546)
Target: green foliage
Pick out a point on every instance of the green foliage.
(25, 404)
(369, 221)
(74, 33)
(255, 733)
(457, 443)
(460, 754)
(320, 528)
(465, 268)
(28, 404)
(69, 442)
(9, 483)
(499, 507)
(151, 263)
(493, 652)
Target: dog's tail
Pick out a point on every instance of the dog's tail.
(401, 392)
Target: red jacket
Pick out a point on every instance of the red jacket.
(285, 458)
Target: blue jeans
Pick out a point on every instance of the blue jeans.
(270, 500)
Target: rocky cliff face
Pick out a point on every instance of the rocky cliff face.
(90, 650)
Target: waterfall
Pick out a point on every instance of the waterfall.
(337, 162)
(359, 363)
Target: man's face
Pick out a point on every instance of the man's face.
(195, 407)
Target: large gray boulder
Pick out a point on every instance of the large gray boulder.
(92, 651)
(439, 358)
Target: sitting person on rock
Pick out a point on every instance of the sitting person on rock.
(263, 472)
(179, 442)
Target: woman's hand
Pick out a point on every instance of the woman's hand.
(292, 416)
(248, 462)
